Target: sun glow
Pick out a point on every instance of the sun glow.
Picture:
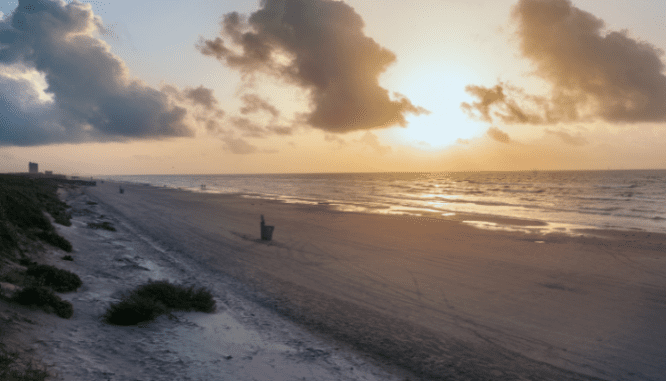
(440, 92)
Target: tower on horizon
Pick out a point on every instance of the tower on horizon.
(33, 167)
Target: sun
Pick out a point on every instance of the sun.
(440, 92)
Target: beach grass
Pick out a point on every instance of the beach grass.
(23, 201)
(24, 228)
(45, 299)
(55, 240)
(57, 279)
(156, 298)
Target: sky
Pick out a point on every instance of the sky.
(287, 86)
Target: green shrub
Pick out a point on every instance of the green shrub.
(52, 238)
(134, 309)
(14, 276)
(23, 201)
(8, 238)
(44, 298)
(23, 211)
(178, 297)
(58, 279)
(101, 225)
(156, 298)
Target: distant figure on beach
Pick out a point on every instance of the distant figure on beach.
(120, 188)
(266, 231)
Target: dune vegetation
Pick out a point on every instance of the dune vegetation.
(153, 299)
(23, 201)
(24, 229)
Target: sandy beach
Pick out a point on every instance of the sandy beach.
(240, 340)
(354, 296)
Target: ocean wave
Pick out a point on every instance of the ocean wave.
(611, 209)
(592, 198)
(524, 190)
(618, 186)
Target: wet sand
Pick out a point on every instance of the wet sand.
(438, 297)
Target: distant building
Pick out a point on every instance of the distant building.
(48, 173)
(33, 167)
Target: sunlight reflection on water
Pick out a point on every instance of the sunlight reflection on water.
(572, 199)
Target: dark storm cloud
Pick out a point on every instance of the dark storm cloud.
(593, 74)
(499, 135)
(320, 46)
(94, 98)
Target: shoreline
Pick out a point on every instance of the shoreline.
(525, 296)
(348, 296)
(493, 222)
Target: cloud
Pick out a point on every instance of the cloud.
(200, 102)
(201, 96)
(371, 140)
(239, 146)
(253, 103)
(281, 130)
(332, 138)
(320, 46)
(593, 74)
(463, 141)
(577, 140)
(248, 127)
(497, 134)
(88, 93)
(500, 102)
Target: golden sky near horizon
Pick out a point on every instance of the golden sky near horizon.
(330, 86)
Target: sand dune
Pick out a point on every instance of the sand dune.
(439, 297)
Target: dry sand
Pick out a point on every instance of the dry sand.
(240, 341)
(437, 297)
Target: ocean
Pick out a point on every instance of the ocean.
(564, 201)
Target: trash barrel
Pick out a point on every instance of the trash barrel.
(266, 230)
